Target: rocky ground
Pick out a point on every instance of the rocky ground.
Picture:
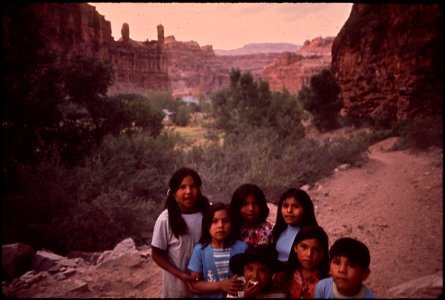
(393, 203)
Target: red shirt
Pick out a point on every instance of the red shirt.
(303, 288)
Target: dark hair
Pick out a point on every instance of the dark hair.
(238, 200)
(308, 211)
(311, 232)
(266, 254)
(207, 221)
(177, 223)
(353, 249)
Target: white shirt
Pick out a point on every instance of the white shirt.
(179, 250)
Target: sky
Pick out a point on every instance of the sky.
(227, 26)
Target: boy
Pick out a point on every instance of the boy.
(349, 266)
(257, 266)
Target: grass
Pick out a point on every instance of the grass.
(192, 134)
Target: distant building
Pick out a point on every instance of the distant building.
(167, 120)
(190, 100)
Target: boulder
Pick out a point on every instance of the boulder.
(16, 260)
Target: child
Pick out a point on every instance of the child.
(177, 230)
(210, 258)
(349, 267)
(309, 261)
(257, 266)
(249, 212)
(295, 210)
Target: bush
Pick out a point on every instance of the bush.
(271, 162)
(420, 134)
(117, 193)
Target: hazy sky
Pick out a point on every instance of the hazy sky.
(227, 25)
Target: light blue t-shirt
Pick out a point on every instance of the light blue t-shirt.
(325, 290)
(203, 261)
(285, 241)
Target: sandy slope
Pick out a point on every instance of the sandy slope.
(393, 203)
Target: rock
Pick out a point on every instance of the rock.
(430, 286)
(88, 257)
(376, 61)
(43, 260)
(305, 187)
(16, 260)
(292, 71)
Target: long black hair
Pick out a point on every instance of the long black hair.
(207, 221)
(311, 232)
(238, 200)
(305, 201)
(176, 221)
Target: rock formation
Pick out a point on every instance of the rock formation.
(388, 58)
(77, 28)
(292, 71)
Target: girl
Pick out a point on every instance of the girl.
(249, 212)
(295, 210)
(177, 230)
(209, 263)
(309, 261)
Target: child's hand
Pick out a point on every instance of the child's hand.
(232, 285)
(252, 289)
(188, 279)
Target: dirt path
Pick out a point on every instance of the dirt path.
(393, 204)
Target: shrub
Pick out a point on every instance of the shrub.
(420, 134)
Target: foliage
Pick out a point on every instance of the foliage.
(420, 134)
(182, 116)
(32, 87)
(92, 207)
(181, 111)
(271, 162)
(322, 100)
(132, 113)
(248, 105)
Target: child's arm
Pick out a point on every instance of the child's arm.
(231, 285)
(160, 257)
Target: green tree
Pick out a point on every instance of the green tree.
(247, 104)
(322, 100)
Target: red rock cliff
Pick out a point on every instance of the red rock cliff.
(292, 71)
(388, 58)
(77, 28)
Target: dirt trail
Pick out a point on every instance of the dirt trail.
(393, 203)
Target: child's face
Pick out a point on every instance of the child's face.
(292, 211)
(187, 194)
(259, 272)
(221, 226)
(310, 254)
(250, 210)
(348, 276)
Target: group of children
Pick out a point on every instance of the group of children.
(218, 250)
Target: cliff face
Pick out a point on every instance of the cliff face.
(183, 67)
(191, 68)
(292, 71)
(387, 58)
(77, 28)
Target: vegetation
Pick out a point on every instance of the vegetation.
(82, 170)
(322, 100)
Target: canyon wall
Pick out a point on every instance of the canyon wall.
(185, 68)
(77, 28)
(388, 59)
(292, 71)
